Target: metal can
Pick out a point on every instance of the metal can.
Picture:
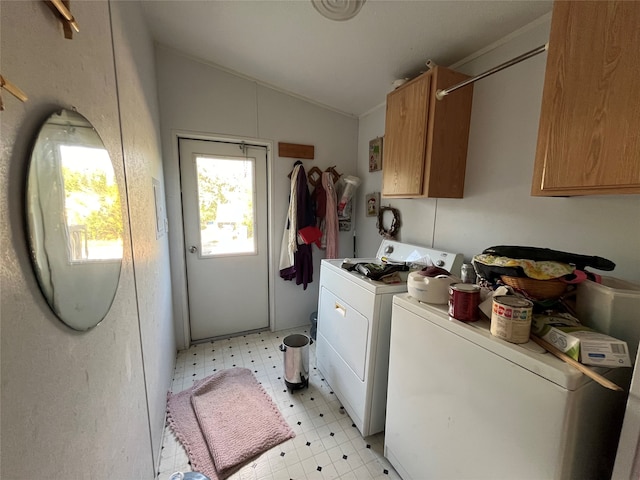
(467, 273)
(511, 318)
(464, 299)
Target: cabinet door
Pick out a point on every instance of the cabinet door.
(405, 138)
(589, 140)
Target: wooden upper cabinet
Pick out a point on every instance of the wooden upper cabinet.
(425, 141)
(405, 138)
(589, 135)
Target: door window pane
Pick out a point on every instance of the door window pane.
(226, 205)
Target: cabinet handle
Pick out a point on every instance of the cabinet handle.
(340, 309)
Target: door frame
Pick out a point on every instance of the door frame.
(177, 250)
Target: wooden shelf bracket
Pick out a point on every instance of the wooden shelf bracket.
(61, 8)
(12, 89)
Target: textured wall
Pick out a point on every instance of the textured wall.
(74, 405)
(497, 208)
(288, 119)
(137, 92)
(201, 99)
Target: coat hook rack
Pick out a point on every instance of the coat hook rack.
(334, 173)
(314, 176)
(61, 7)
(297, 162)
(12, 89)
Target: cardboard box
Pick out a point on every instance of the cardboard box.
(579, 342)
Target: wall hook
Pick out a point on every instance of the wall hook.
(314, 176)
(334, 173)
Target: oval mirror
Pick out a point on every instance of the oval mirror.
(74, 220)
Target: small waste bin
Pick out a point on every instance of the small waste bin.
(296, 360)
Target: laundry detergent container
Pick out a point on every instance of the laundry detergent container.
(295, 348)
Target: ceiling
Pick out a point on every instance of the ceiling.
(349, 65)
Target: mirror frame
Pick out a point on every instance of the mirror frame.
(78, 281)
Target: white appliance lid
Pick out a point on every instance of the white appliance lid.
(394, 251)
(528, 356)
(375, 286)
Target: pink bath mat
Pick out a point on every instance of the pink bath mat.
(224, 421)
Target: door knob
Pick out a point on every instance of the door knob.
(193, 249)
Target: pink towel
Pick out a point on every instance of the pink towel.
(331, 218)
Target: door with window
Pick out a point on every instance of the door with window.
(224, 207)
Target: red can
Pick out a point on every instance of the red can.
(464, 299)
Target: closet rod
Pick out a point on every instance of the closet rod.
(440, 94)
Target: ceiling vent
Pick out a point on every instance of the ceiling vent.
(338, 9)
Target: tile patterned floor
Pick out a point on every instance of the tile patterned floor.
(327, 444)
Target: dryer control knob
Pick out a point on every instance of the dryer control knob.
(388, 249)
(440, 263)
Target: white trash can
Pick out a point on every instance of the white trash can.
(296, 360)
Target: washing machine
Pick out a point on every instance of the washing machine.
(463, 404)
(354, 324)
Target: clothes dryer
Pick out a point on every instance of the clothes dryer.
(354, 322)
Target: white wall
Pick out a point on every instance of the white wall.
(202, 99)
(416, 216)
(497, 208)
(139, 113)
(76, 405)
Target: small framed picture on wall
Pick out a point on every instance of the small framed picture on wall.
(375, 154)
(372, 201)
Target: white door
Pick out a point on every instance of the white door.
(224, 206)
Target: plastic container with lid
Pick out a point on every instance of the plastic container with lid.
(611, 307)
(430, 289)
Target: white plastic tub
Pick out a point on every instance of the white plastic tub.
(611, 307)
